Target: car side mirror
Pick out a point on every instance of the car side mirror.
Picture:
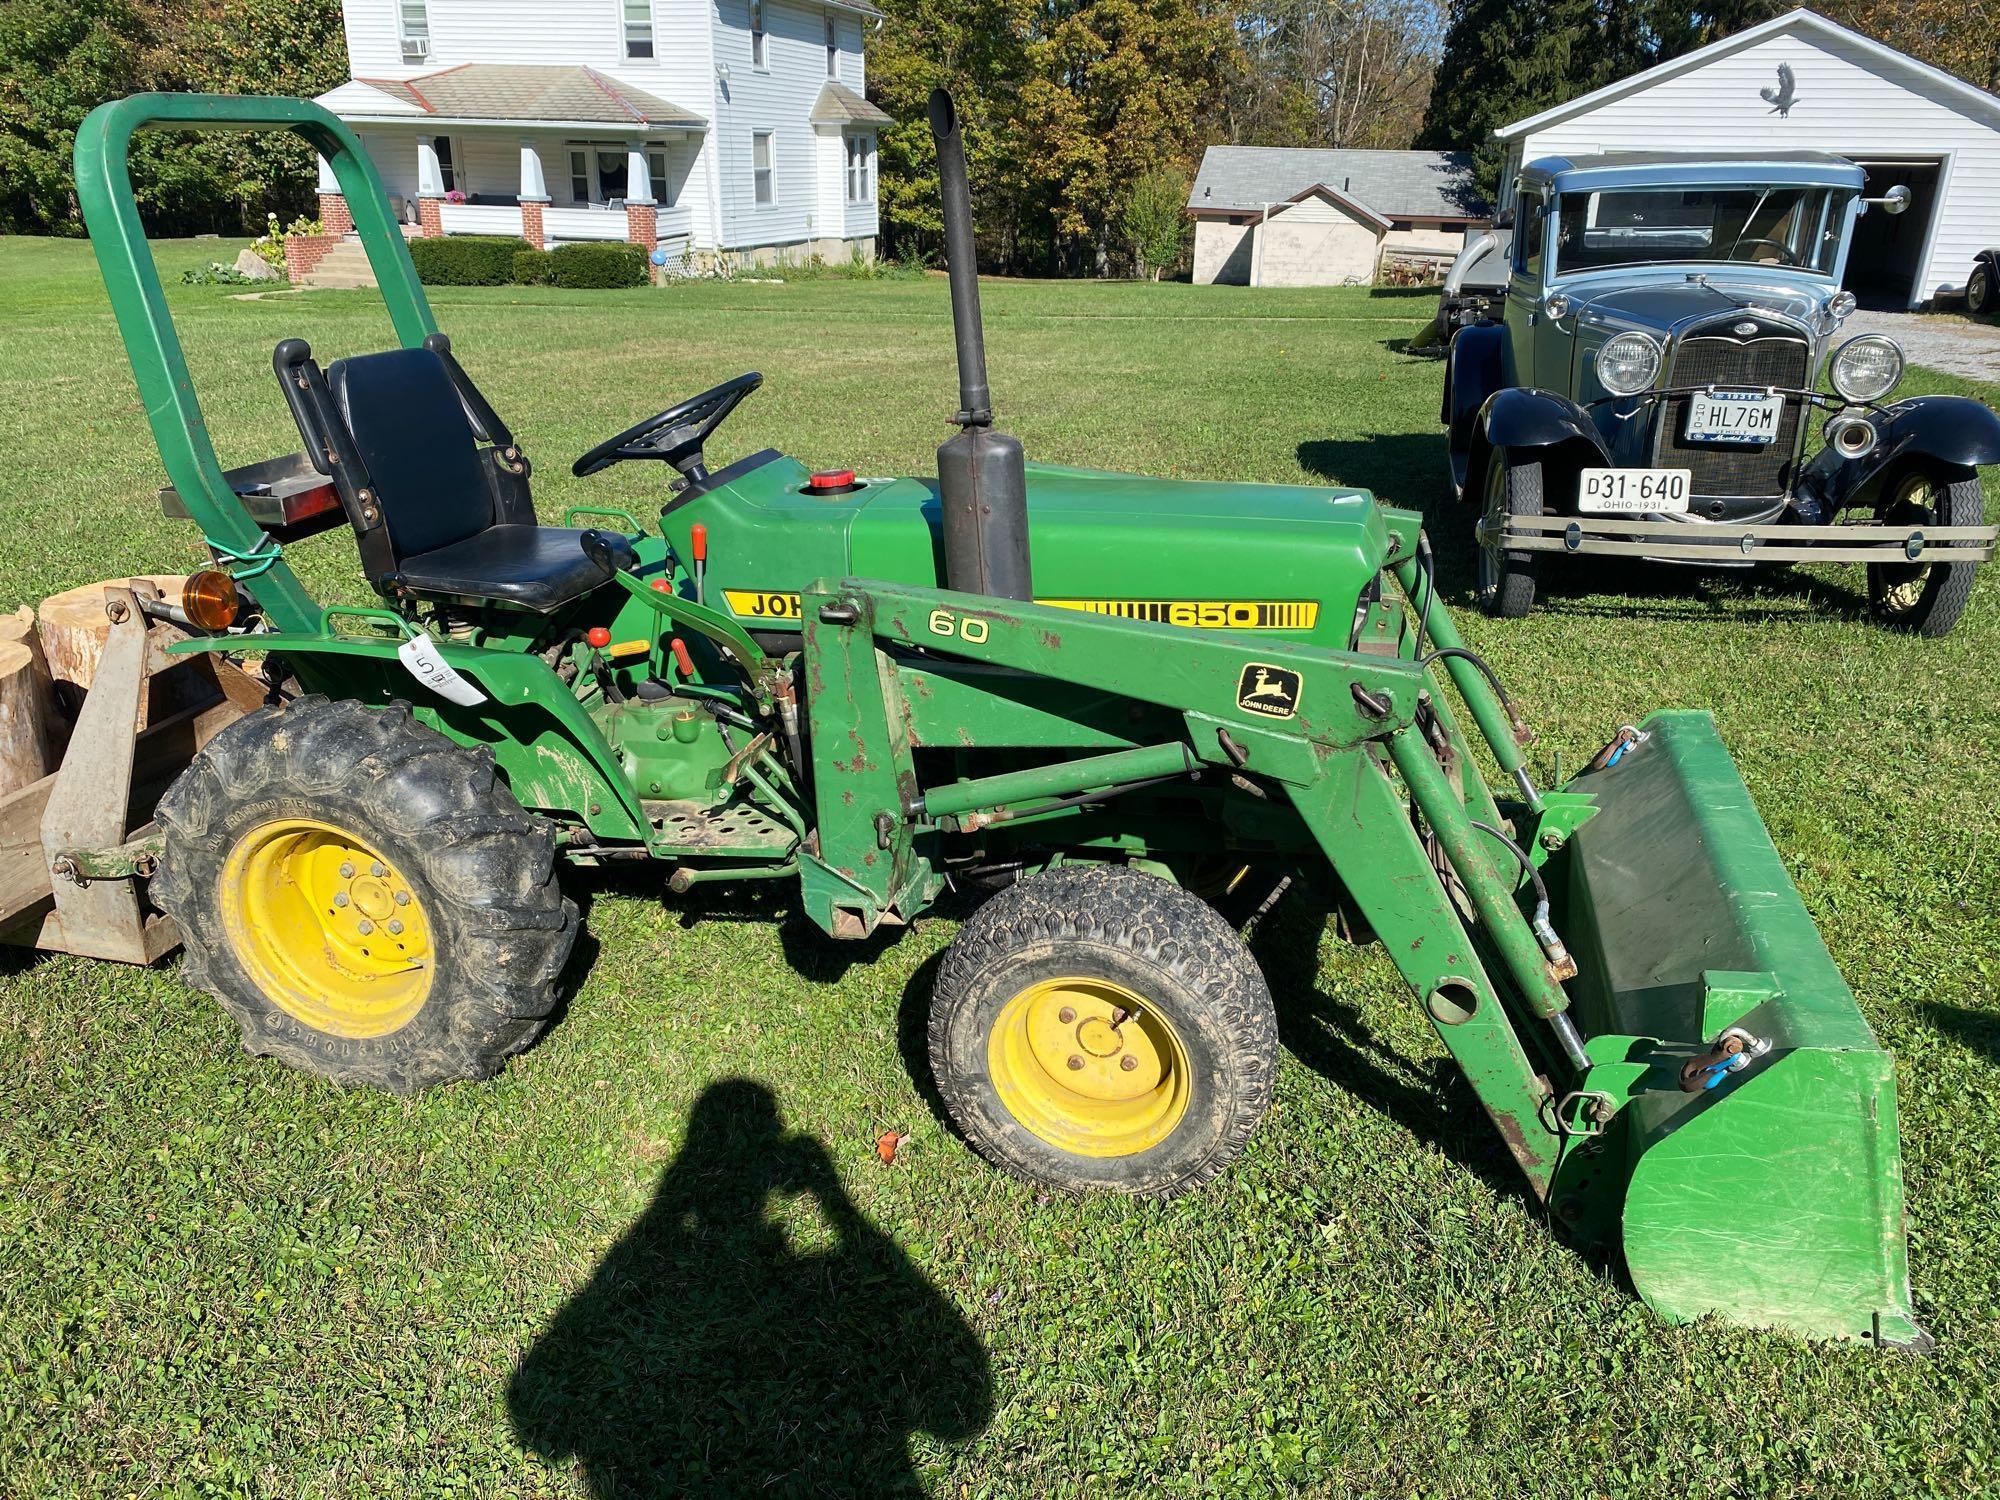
(1895, 200)
(1505, 220)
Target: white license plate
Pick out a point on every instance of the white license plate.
(1734, 417)
(1634, 492)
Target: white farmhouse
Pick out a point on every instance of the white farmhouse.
(1801, 82)
(732, 129)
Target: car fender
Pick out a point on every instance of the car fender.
(1953, 430)
(1471, 374)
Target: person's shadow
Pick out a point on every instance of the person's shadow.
(711, 1356)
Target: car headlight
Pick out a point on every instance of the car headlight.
(1866, 368)
(1629, 363)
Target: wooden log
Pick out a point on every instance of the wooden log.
(74, 626)
(30, 745)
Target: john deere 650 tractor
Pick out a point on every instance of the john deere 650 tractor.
(1110, 697)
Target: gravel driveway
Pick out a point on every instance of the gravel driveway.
(1941, 341)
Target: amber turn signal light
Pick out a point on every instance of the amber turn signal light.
(210, 601)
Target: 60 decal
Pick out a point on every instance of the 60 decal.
(968, 628)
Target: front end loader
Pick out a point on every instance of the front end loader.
(1117, 708)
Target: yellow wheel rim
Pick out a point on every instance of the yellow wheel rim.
(328, 929)
(1089, 1066)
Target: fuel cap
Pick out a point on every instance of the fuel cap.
(831, 482)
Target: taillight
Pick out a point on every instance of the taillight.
(210, 600)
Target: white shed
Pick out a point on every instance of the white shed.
(1801, 82)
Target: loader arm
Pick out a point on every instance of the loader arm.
(1762, 1183)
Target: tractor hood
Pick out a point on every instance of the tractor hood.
(1290, 559)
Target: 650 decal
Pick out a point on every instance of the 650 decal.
(1207, 614)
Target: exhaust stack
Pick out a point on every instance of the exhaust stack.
(982, 476)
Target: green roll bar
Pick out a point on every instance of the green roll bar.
(110, 212)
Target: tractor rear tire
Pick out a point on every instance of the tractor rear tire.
(1096, 1027)
(364, 896)
(1926, 598)
(1507, 579)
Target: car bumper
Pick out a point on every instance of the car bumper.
(1721, 544)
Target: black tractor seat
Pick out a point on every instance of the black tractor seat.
(435, 512)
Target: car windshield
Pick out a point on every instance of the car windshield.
(1774, 226)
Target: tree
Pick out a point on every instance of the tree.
(1332, 72)
(1155, 220)
(61, 58)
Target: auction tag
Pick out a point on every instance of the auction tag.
(420, 658)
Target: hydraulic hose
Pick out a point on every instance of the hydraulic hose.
(1552, 944)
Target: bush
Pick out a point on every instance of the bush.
(467, 259)
(597, 266)
(531, 267)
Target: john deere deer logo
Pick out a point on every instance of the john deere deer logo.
(1268, 690)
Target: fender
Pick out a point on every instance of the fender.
(1953, 430)
(1522, 418)
(1471, 374)
(550, 751)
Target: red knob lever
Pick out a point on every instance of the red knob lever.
(698, 541)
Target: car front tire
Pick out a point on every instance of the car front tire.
(1507, 579)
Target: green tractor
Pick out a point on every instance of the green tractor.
(1118, 704)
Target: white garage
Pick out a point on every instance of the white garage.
(1800, 82)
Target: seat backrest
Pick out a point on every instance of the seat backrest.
(412, 436)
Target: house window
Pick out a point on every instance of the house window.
(656, 172)
(832, 50)
(860, 169)
(613, 165)
(599, 171)
(447, 173)
(760, 44)
(579, 175)
(763, 175)
(414, 27)
(638, 28)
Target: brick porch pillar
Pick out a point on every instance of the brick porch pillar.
(531, 222)
(642, 224)
(334, 215)
(430, 218)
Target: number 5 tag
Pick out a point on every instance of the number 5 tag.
(420, 658)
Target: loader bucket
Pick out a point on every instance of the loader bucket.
(1773, 1198)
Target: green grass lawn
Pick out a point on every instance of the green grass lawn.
(220, 1277)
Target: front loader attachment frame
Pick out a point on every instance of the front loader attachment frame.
(1581, 1058)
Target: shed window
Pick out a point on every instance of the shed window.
(760, 44)
(638, 28)
(413, 25)
(763, 174)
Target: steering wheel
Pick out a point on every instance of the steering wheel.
(1785, 257)
(676, 434)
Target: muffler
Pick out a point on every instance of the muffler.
(982, 473)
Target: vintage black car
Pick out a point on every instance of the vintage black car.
(1656, 386)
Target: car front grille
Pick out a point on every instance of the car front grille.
(1733, 470)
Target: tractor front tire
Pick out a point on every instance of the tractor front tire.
(1926, 598)
(1096, 1027)
(1507, 579)
(364, 896)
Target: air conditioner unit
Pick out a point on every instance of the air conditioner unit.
(416, 49)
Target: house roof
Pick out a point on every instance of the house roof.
(1383, 184)
(840, 105)
(1802, 23)
(515, 92)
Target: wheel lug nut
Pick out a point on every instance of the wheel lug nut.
(1066, 1015)
(1075, 1062)
(340, 898)
(1128, 1062)
(378, 869)
(395, 928)
(366, 927)
(347, 871)
(402, 898)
